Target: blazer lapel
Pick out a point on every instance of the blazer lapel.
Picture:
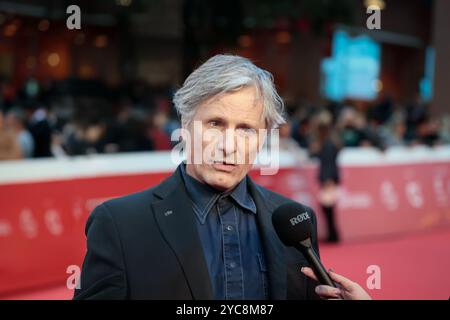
(274, 249)
(175, 218)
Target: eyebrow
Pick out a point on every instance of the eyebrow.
(223, 120)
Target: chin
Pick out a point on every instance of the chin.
(222, 181)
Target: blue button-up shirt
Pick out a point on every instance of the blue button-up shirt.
(229, 235)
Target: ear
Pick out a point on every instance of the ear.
(184, 129)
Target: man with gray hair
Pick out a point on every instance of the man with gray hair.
(206, 231)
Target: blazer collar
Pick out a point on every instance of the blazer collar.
(175, 217)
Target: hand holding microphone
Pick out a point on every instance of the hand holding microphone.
(347, 289)
(292, 223)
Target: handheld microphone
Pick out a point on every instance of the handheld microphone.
(293, 225)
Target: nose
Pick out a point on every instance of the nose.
(227, 142)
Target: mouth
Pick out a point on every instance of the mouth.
(224, 166)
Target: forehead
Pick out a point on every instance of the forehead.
(244, 103)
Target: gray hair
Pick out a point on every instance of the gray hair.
(225, 73)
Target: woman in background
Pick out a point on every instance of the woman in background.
(325, 146)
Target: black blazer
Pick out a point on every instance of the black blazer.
(146, 246)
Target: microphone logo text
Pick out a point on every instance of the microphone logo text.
(301, 217)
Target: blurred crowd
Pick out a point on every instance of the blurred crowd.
(380, 124)
(78, 117)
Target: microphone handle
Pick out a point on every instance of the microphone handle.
(310, 255)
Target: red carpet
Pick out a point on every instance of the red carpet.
(412, 267)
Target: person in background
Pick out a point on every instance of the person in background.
(392, 132)
(356, 132)
(156, 131)
(427, 132)
(289, 144)
(444, 129)
(326, 147)
(16, 121)
(41, 129)
(350, 127)
(9, 146)
(416, 113)
(301, 132)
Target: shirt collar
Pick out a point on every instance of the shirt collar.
(204, 196)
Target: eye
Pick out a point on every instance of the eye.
(246, 131)
(213, 123)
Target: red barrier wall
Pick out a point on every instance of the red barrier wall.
(42, 222)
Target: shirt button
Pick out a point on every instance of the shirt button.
(232, 265)
(230, 228)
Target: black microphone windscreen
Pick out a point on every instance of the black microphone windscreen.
(292, 223)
